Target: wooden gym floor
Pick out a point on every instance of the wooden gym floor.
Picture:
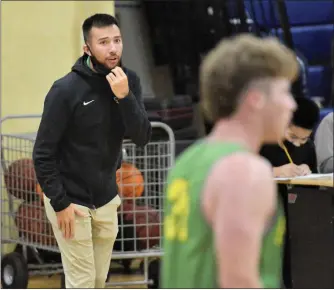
(53, 282)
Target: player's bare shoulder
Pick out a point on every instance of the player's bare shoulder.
(241, 166)
(238, 179)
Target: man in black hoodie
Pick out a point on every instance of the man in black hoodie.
(77, 151)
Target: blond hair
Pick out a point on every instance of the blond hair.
(234, 64)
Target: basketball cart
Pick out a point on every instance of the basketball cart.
(25, 228)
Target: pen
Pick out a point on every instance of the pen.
(286, 152)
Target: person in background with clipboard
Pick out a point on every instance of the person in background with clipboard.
(294, 156)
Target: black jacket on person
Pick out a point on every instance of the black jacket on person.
(79, 140)
(305, 154)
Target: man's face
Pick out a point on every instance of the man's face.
(297, 136)
(106, 45)
(278, 110)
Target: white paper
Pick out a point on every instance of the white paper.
(310, 176)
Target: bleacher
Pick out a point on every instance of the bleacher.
(312, 29)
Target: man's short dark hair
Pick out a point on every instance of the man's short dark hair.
(307, 114)
(97, 20)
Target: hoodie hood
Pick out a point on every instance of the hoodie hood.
(81, 66)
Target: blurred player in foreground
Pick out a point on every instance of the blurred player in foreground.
(224, 224)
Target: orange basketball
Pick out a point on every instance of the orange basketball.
(130, 181)
(33, 224)
(146, 221)
(20, 179)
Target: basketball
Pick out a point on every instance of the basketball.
(33, 225)
(130, 181)
(20, 179)
(146, 221)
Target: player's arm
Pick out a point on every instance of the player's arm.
(238, 200)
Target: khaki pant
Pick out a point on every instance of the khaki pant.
(86, 258)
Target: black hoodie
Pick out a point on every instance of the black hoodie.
(79, 140)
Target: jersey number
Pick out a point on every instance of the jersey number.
(176, 220)
(280, 231)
